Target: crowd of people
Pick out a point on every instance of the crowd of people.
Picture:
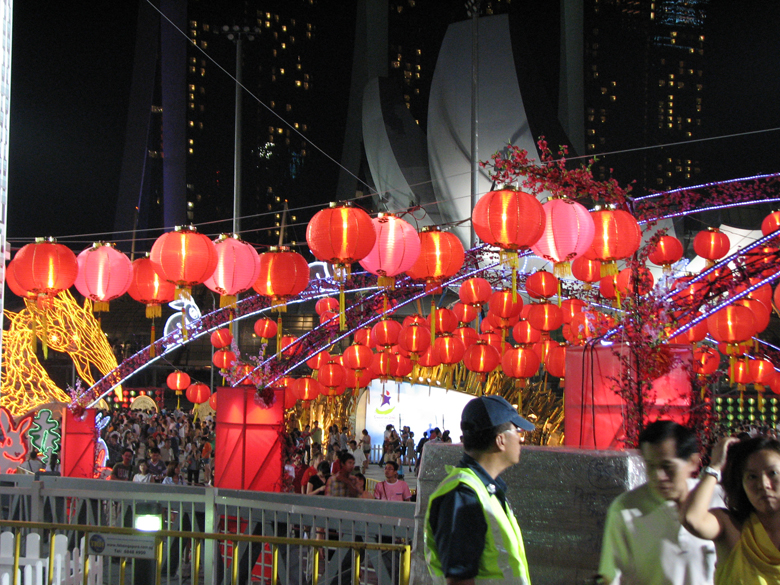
(171, 448)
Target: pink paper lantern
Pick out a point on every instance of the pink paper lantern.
(568, 233)
(104, 274)
(238, 267)
(396, 250)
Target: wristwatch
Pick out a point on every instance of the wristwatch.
(713, 472)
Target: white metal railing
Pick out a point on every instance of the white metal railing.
(211, 510)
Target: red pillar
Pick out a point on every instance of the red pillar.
(248, 454)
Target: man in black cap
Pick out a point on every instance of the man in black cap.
(471, 533)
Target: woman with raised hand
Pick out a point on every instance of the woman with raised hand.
(747, 533)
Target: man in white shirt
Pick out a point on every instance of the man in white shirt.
(644, 542)
(360, 458)
(393, 489)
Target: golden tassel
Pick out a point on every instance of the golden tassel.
(45, 336)
(152, 351)
(386, 282)
(609, 268)
(100, 307)
(279, 337)
(227, 301)
(562, 269)
(433, 321)
(342, 318)
(559, 294)
(153, 311)
(34, 340)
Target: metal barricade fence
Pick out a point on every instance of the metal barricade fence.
(189, 510)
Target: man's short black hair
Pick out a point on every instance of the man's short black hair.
(154, 450)
(659, 431)
(480, 441)
(345, 456)
(393, 463)
(123, 452)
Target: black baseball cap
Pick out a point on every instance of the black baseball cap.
(487, 412)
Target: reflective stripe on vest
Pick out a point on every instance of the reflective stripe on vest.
(497, 565)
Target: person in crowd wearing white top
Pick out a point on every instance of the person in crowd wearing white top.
(143, 475)
(360, 459)
(644, 542)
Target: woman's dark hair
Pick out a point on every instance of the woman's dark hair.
(324, 468)
(736, 459)
(361, 477)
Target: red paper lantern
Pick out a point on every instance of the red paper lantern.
(246, 374)
(586, 270)
(396, 250)
(732, 324)
(213, 401)
(307, 388)
(341, 235)
(147, 287)
(481, 358)
(571, 307)
(736, 349)
(705, 360)
(331, 375)
(467, 335)
(771, 223)
(265, 328)
(524, 333)
(520, 362)
(695, 334)
(357, 378)
(450, 349)
(414, 319)
(446, 321)
(545, 317)
(381, 364)
(627, 282)
(318, 360)
(762, 293)
(221, 338)
(486, 326)
(385, 332)
(475, 292)
(465, 313)
(568, 233)
(740, 373)
(555, 363)
(198, 393)
(689, 295)
(327, 316)
(543, 347)
(45, 268)
(238, 267)
(184, 257)
(711, 244)
(504, 304)
(541, 285)
(364, 336)
(607, 287)
(178, 380)
(762, 372)
(104, 273)
(496, 340)
(429, 358)
(10, 279)
(326, 304)
(400, 366)
(617, 236)
(283, 274)
(666, 251)
(289, 346)
(761, 260)
(357, 357)
(415, 338)
(760, 311)
(441, 256)
(508, 219)
(224, 359)
(499, 322)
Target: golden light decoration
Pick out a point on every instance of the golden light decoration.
(71, 329)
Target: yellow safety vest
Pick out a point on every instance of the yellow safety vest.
(503, 558)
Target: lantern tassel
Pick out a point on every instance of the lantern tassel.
(433, 321)
(153, 311)
(562, 269)
(153, 335)
(34, 340)
(609, 268)
(227, 301)
(100, 307)
(45, 336)
(342, 317)
(279, 336)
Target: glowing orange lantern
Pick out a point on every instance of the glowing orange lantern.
(400, 366)
(762, 372)
(396, 250)
(771, 223)
(415, 338)
(184, 257)
(639, 282)
(705, 360)
(499, 322)
(385, 333)
(445, 321)
(450, 349)
(326, 304)
(213, 401)
(45, 268)
(541, 285)
(104, 274)
(357, 357)
(571, 307)
(238, 267)
(198, 393)
(711, 244)
(586, 270)
(341, 235)
(525, 334)
(224, 359)
(568, 233)
(555, 363)
(365, 336)
(763, 260)
(429, 358)
(221, 338)
(520, 362)
(318, 360)
(481, 358)
(732, 324)
(331, 375)
(467, 335)
(617, 236)
(441, 256)
(504, 304)
(307, 388)
(545, 317)
(265, 329)
(694, 334)
(475, 292)
(666, 251)
(147, 287)
(283, 274)
(508, 219)
(760, 312)
(465, 313)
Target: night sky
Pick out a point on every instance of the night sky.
(72, 67)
